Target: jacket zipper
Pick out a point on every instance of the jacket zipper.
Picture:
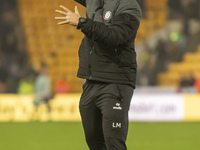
(90, 77)
(100, 7)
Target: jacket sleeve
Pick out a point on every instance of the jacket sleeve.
(82, 2)
(122, 30)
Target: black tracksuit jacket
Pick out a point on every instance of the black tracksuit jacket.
(107, 52)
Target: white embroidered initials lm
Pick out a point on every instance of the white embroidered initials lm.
(116, 125)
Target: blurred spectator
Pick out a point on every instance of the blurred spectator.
(198, 13)
(42, 87)
(3, 87)
(7, 15)
(3, 77)
(162, 58)
(182, 44)
(191, 9)
(61, 86)
(152, 71)
(173, 52)
(185, 8)
(186, 84)
(187, 81)
(175, 8)
(145, 54)
(9, 46)
(21, 55)
(26, 84)
(14, 76)
(14, 68)
(147, 70)
(142, 78)
(197, 84)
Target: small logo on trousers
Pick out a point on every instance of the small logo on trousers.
(117, 106)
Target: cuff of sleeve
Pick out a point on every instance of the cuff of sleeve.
(81, 22)
(81, 25)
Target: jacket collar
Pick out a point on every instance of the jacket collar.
(93, 5)
(113, 6)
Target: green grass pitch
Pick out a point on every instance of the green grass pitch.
(69, 136)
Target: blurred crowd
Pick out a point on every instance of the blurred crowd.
(156, 59)
(16, 72)
(18, 76)
(13, 58)
(186, 9)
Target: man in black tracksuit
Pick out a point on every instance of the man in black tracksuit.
(108, 63)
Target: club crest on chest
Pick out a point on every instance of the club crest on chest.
(108, 15)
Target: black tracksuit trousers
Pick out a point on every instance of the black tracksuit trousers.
(104, 112)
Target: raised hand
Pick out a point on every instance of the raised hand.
(70, 17)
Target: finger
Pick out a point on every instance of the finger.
(60, 18)
(63, 7)
(64, 22)
(61, 12)
(76, 10)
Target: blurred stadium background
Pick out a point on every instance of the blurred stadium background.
(165, 110)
